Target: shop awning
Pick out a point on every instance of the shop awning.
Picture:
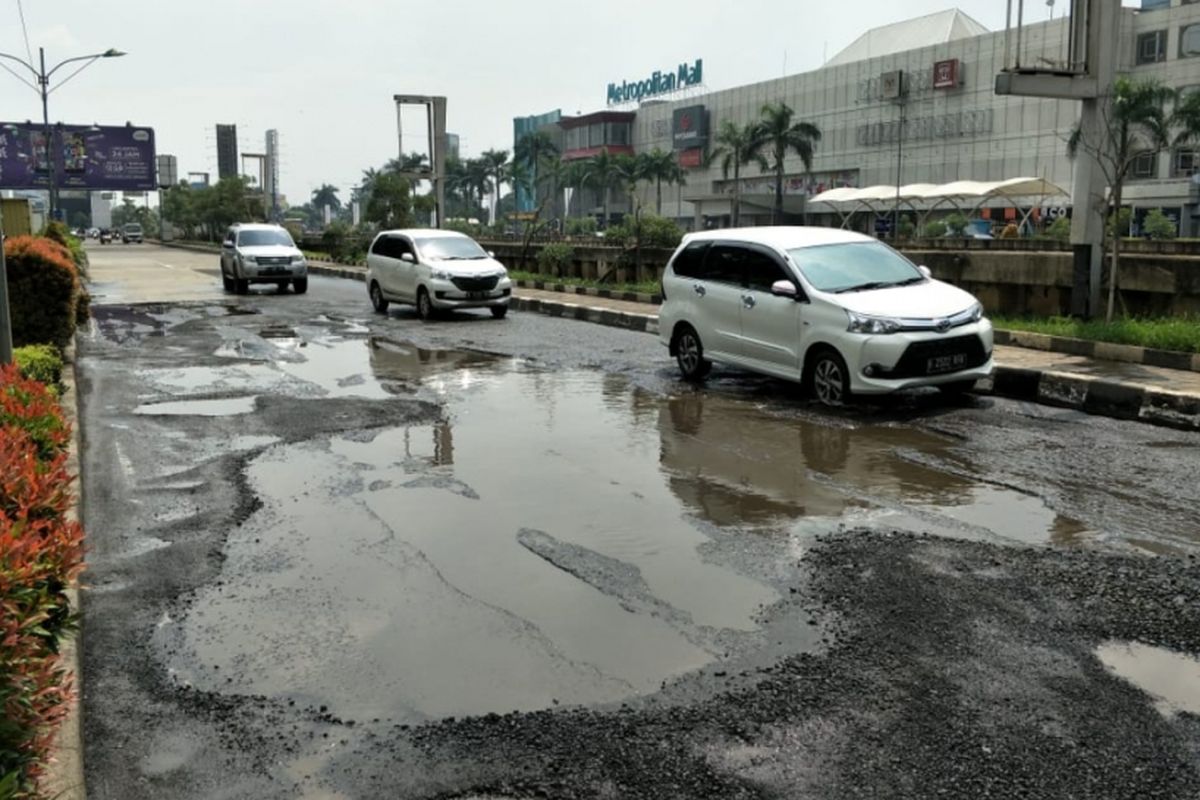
(1012, 187)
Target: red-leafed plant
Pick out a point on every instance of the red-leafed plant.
(44, 290)
(41, 552)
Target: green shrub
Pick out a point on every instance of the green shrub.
(43, 288)
(1060, 229)
(934, 230)
(956, 224)
(647, 230)
(1158, 225)
(907, 227)
(581, 226)
(555, 258)
(1120, 222)
(40, 362)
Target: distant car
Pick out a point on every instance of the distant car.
(131, 232)
(93, 233)
(259, 253)
(435, 270)
(837, 311)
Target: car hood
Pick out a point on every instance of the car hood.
(927, 300)
(467, 269)
(269, 250)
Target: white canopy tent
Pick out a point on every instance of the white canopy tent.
(875, 198)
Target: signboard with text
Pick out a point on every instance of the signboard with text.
(689, 127)
(945, 74)
(85, 157)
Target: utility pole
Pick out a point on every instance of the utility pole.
(899, 159)
(6, 343)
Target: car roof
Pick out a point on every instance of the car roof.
(256, 226)
(781, 237)
(429, 233)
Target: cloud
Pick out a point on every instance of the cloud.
(55, 38)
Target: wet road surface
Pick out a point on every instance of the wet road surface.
(335, 554)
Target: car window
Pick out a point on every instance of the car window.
(690, 260)
(260, 238)
(450, 248)
(380, 246)
(724, 264)
(762, 270)
(229, 236)
(400, 246)
(843, 267)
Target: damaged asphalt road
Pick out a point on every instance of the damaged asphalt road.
(339, 555)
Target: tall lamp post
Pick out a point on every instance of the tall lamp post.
(42, 87)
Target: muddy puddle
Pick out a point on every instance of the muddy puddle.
(547, 541)
(1171, 680)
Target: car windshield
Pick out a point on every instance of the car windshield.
(134, 228)
(854, 266)
(450, 248)
(260, 238)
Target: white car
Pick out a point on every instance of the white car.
(435, 270)
(260, 253)
(840, 312)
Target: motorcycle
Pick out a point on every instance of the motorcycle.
(106, 237)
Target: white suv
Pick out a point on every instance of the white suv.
(258, 253)
(840, 312)
(435, 270)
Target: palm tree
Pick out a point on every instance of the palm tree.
(408, 162)
(660, 166)
(777, 133)
(630, 172)
(576, 174)
(735, 148)
(1186, 117)
(326, 195)
(603, 171)
(532, 150)
(496, 161)
(478, 178)
(1135, 122)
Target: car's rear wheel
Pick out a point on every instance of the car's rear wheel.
(241, 285)
(301, 285)
(830, 379)
(689, 354)
(377, 299)
(499, 311)
(424, 305)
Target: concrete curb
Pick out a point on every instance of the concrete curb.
(609, 294)
(643, 323)
(1107, 351)
(64, 774)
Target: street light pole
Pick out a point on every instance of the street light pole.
(6, 343)
(44, 83)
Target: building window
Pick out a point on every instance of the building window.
(1189, 41)
(1152, 47)
(1185, 163)
(1145, 165)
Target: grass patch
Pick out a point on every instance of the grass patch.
(1167, 333)
(645, 287)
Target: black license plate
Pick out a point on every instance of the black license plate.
(477, 295)
(946, 363)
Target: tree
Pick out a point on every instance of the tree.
(735, 149)
(777, 133)
(408, 162)
(390, 205)
(603, 171)
(630, 170)
(660, 167)
(1158, 225)
(478, 179)
(532, 150)
(496, 162)
(1134, 121)
(326, 195)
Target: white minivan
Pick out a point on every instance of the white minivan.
(840, 312)
(435, 270)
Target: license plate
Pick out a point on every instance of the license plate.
(477, 295)
(948, 363)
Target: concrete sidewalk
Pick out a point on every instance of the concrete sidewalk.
(1118, 389)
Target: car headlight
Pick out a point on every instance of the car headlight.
(976, 312)
(440, 275)
(249, 259)
(297, 259)
(861, 323)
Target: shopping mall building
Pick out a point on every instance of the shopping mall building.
(955, 126)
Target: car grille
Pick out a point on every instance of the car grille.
(915, 361)
(274, 261)
(485, 284)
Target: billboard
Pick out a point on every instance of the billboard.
(85, 157)
(689, 127)
(227, 150)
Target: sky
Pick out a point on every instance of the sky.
(324, 73)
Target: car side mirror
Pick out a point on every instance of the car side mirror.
(226, 244)
(491, 254)
(787, 289)
(409, 257)
(926, 271)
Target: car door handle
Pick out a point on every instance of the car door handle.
(699, 289)
(748, 300)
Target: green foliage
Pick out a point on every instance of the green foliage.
(1162, 333)
(211, 208)
(1118, 224)
(1158, 225)
(463, 226)
(644, 230)
(40, 362)
(956, 224)
(1060, 229)
(391, 204)
(555, 258)
(644, 287)
(581, 226)
(44, 291)
(338, 240)
(935, 229)
(906, 227)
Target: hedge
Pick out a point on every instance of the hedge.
(44, 291)
(42, 363)
(41, 552)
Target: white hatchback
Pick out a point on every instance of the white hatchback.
(840, 312)
(435, 270)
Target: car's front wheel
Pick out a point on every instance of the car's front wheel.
(301, 285)
(226, 281)
(499, 311)
(241, 285)
(424, 305)
(689, 354)
(830, 379)
(377, 299)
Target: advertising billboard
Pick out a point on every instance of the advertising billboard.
(689, 127)
(85, 157)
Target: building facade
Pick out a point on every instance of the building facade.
(946, 125)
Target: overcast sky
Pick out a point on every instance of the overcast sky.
(323, 73)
